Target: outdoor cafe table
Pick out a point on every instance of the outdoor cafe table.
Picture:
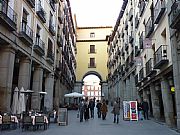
(33, 119)
(13, 119)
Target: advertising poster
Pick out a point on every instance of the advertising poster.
(133, 110)
(126, 110)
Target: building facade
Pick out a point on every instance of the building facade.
(92, 55)
(37, 42)
(142, 56)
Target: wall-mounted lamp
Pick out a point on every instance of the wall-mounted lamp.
(170, 81)
(157, 87)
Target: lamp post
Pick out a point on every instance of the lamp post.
(42, 94)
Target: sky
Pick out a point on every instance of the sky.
(96, 12)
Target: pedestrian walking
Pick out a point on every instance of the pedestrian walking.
(104, 110)
(145, 107)
(140, 109)
(81, 110)
(91, 107)
(86, 109)
(98, 106)
(116, 111)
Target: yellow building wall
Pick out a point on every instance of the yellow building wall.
(83, 56)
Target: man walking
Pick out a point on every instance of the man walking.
(145, 107)
(91, 106)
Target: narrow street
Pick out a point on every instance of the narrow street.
(99, 127)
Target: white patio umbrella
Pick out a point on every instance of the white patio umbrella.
(21, 103)
(14, 107)
(74, 94)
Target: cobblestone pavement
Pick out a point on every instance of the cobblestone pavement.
(98, 126)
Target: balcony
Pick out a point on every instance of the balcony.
(141, 7)
(136, 21)
(149, 27)
(141, 38)
(52, 4)
(91, 65)
(137, 51)
(59, 40)
(60, 17)
(39, 47)
(8, 16)
(31, 3)
(26, 34)
(159, 10)
(41, 13)
(150, 68)
(175, 15)
(131, 38)
(126, 46)
(122, 51)
(123, 69)
(50, 57)
(130, 14)
(52, 29)
(141, 74)
(137, 82)
(126, 25)
(160, 57)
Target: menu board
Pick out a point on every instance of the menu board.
(126, 110)
(62, 116)
(133, 110)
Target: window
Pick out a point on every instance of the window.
(92, 48)
(92, 35)
(92, 63)
(50, 46)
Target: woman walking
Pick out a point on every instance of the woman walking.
(104, 110)
(116, 111)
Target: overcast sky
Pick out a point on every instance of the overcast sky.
(96, 12)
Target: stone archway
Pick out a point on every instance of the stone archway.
(91, 86)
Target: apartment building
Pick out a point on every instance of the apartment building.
(141, 57)
(92, 55)
(35, 52)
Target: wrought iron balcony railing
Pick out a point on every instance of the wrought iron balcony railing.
(50, 56)
(130, 14)
(159, 10)
(59, 40)
(141, 7)
(26, 33)
(136, 21)
(39, 47)
(8, 16)
(52, 29)
(150, 67)
(149, 27)
(160, 57)
(141, 38)
(175, 15)
(41, 13)
(31, 3)
(92, 65)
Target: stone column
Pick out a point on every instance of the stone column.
(24, 73)
(37, 87)
(104, 89)
(49, 85)
(155, 102)
(121, 87)
(7, 57)
(167, 102)
(57, 97)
